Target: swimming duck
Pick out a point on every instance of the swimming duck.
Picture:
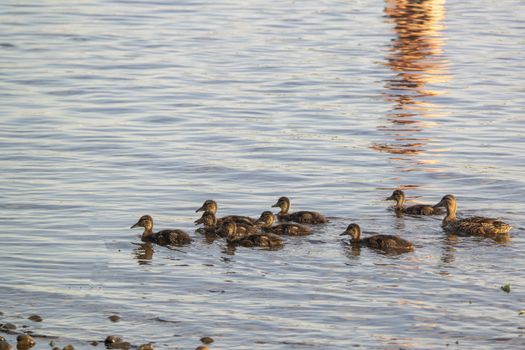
(212, 226)
(303, 217)
(476, 225)
(164, 237)
(209, 222)
(267, 219)
(265, 240)
(211, 206)
(418, 209)
(385, 243)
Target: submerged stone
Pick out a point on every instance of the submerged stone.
(207, 340)
(35, 318)
(114, 318)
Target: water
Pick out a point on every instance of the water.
(115, 109)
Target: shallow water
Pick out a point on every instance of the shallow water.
(114, 109)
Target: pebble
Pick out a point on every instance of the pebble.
(202, 347)
(114, 318)
(35, 318)
(24, 341)
(94, 343)
(2, 338)
(5, 345)
(148, 346)
(68, 347)
(56, 348)
(111, 339)
(7, 325)
(207, 340)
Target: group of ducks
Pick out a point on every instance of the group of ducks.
(265, 232)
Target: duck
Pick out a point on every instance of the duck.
(267, 219)
(210, 206)
(264, 240)
(211, 225)
(418, 209)
(385, 243)
(302, 217)
(164, 237)
(476, 225)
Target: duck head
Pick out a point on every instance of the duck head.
(229, 229)
(145, 221)
(207, 219)
(449, 202)
(266, 219)
(284, 204)
(398, 196)
(354, 231)
(209, 206)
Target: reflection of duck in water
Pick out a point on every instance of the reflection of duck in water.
(418, 209)
(385, 243)
(267, 219)
(265, 240)
(210, 206)
(476, 225)
(164, 237)
(303, 217)
(144, 253)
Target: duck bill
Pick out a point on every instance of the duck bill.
(198, 221)
(276, 205)
(200, 209)
(391, 198)
(440, 204)
(136, 225)
(344, 234)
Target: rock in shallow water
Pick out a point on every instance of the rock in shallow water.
(35, 318)
(146, 347)
(24, 341)
(207, 340)
(114, 318)
(5, 345)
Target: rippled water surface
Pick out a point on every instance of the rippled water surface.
(114, 109)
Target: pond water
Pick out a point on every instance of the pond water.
(114, 109)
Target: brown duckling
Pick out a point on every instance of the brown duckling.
(418, 209)
(385, 243)
(302, 217)
(210, 206)
(267, 219)
(212, 226)
(476, 225)
(209, 221)
(164, 237)
(265, 240)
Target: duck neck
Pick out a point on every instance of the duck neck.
(399, 203)
(284, 208)
(451, 212)
(148, 231)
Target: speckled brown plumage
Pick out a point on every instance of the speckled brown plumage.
(256, 239)
(267, 219)
(385, 243)
(418, 209)
(164, 237)
(475, 225)
(302, 217)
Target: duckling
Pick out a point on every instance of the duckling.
(211, 206)
(385, 243)
(267, 219)
(302, 217)
(265, 240)
(476, 225)
(164, 237)
(211, 225)
(209, 221)
(418, 209)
